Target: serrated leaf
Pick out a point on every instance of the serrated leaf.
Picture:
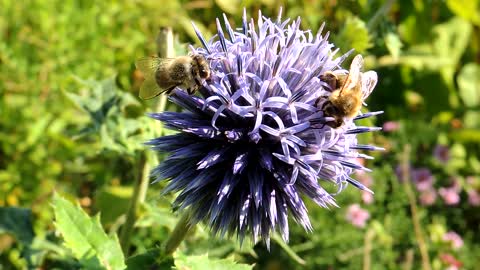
(17, 222)
(184, 262)
(354, 34)
(469, 84)
(85, 237)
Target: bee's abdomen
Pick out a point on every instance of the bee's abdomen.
(163, 79)
(179, 72)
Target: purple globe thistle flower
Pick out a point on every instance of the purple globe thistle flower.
(254, 143)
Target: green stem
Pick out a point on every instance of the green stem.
(384, 9)
(422, 245)
(138, 196)
(367, 249)
(164, 49)
(176, 237)
(290, 252)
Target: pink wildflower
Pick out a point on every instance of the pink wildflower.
(357, 216)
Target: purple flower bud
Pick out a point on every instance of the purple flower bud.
(441, 153)
(422, 178)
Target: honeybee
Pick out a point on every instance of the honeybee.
(349, 90)
(162, 75)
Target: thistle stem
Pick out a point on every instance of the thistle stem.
(367, 249)
(382, 11)
(178, 234)
(413, 208)
(138, 196)
(164, 49)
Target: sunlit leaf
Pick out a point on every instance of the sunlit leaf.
(232, 6)
(469, 84)
(394, 44)
(467, 9)
(354, 34)
(86, 238)
(184, 262)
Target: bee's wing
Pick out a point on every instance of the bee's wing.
(149, 67)
(369, 80)
(354, 74)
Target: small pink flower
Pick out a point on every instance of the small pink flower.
(455, 239)
(367, 197)
(391, 126)
(449, 195)
(451, 261)
(473, 197)
(357, 216)
(441, 153)
(422, 178)
(428, 197)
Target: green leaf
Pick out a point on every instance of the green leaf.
(184, 262)
(467, 9)
(394, 44)
(148, 260)
(17, 222)
(354, 34)
(229, 6)
(112, 202)
(469, 84)
(452, 38)
(86, 238)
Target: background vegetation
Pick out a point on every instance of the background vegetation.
(71, 124)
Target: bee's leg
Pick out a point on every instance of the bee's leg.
(197, 81)
(191, 90)
(168, 91)
(318, 101)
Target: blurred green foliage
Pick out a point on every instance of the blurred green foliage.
(70, 122)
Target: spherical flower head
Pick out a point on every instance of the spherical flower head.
(253, 143)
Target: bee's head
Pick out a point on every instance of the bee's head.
(203, 66)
